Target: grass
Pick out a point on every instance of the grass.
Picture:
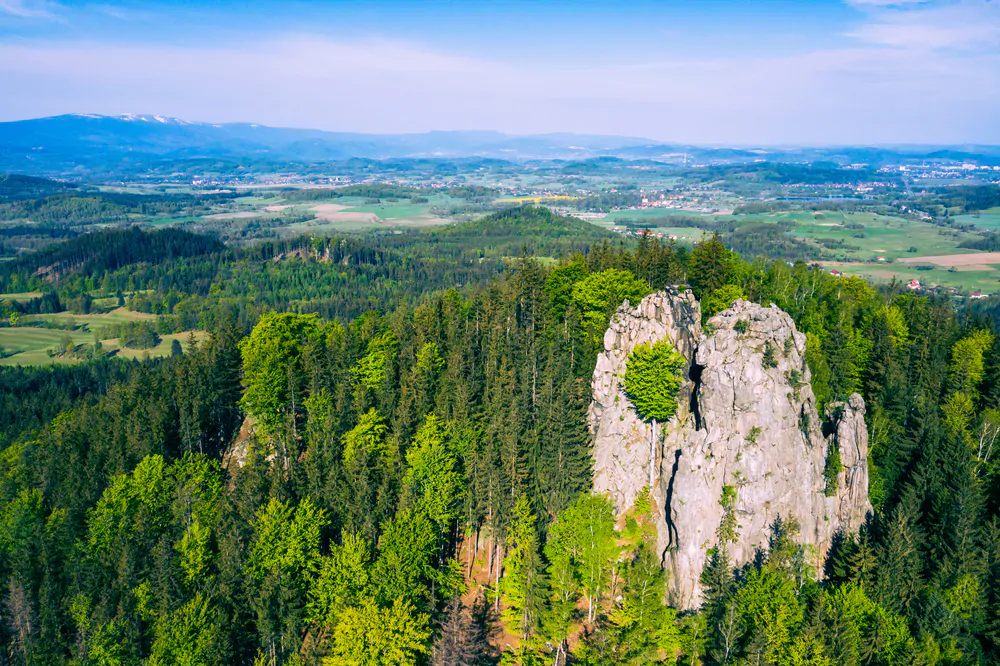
(686, 235)
(987, 220)
(392, 211)
(892, 238)
(355, 216)
(20, 297)
(883, 236)
(160, 350)
(402, 209)
(249, 200)
(987, 282)
(538, 199)
(322, 227)
(887, 236)
(91, 322)
(163, 221)
(29, 346)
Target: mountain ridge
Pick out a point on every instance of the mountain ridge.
(83, 141)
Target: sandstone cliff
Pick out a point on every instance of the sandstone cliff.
(747, 424)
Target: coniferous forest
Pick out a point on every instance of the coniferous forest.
(379, 455)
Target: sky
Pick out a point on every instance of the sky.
(707, 72)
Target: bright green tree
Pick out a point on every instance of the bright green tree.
(771, 615)
(720, 299)
(859, 631)
(370, 635)
(404, 567)
(133, 507)
(966, 369)
(343, 580)
(368, 437)
(271, 366)
(373, 368)
(522, 584)
(188, 636)
(639, 627)
(599, 294)
(586, 530)
(286, 541)
(433, 482)
(653, 376)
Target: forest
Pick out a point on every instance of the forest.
(380, 456)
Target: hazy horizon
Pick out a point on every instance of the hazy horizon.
(717, 73)
(734, 146)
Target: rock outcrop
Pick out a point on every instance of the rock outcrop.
(747, 423)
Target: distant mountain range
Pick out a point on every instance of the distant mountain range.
(90, 143)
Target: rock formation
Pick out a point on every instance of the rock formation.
(747, 422)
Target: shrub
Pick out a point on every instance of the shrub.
(832, 470)
(770, 360)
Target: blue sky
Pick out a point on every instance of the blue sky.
(735, 72)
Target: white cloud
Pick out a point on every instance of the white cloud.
(968, 25)
(30, 9)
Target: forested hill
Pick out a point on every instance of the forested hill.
(14, 186)
(107, 250)
(338, 278)
(407, 480)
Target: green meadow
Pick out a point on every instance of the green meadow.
(20, 297)
(889, 237)
(987, 220)
(29, 345)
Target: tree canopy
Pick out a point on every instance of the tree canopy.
(653, 377)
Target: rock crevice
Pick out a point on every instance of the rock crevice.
(746, 420)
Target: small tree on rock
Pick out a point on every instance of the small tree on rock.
(653, 376)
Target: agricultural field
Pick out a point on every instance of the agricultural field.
(654, 214)
(867, 237)
(89, 322)
(29, 345)
(911, 249)
(987, 220)
(20, 297)
(353, 214)
(985, 280)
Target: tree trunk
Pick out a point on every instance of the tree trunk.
(496, 605)
(652, 457)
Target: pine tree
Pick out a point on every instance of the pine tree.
(711, 266)
(718, 606)
(899, 577)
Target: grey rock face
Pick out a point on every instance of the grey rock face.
(747, 420)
